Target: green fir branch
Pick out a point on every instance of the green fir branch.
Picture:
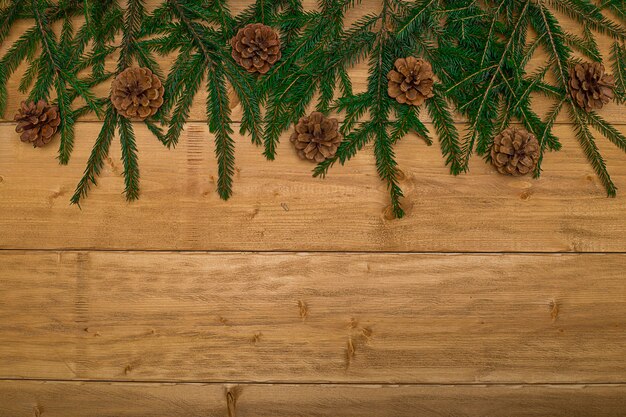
(129, 159)
(99, 153)
(591, 151)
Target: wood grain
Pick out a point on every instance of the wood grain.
(56, 399)
(375, 318)
(148, 334)
(279, 206)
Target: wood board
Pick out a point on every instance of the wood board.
(56, 399)
(313, 317)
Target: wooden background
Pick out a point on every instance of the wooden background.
(303, 297)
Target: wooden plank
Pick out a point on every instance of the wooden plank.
(57, 399)
(314, 317)
(359, 73)
(279, 206)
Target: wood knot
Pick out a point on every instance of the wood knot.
(254, 213)
(554, 309)
(114, 168)
(400, 175)
(232, 394)
(304, 309)
(1, 179)
(366, 332)
(388, 213)
(90, 331)
(38, 411)
(525, 195)
(256, 338)
(284, 206)
(353, 323)
(350, 352)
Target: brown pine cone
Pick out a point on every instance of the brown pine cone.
(256, 47)
(316, 137)
(589, 86)
(411, 82)
(515, 152)
(37, 122)
(137, 93)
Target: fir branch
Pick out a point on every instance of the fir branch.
(480, 126)
(381, 62)
(183, 92)
(387, 168)
(8, 16)
(67, 123)
(588, 144)
(290, 85)
(218, 113)
(447, 132)
(415, 18)
(618, 58)
(99, 153)
(408, 121)
(546, 134)
(545, 22)
(23, 48)
(352, 143)
(587, 13)
(129, 159)
(609, 132)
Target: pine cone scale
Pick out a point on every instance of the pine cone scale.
(137, 93)
(590, 87)
(256, 48)
(316, 138)
(37, 122)
(515, 152)
(411, 81)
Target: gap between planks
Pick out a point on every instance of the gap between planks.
(306, 252)
(311, 383)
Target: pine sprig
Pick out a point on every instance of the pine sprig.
(588, 144)
(507, 91)
(130, 50)
(480, 52)
(99, 153)
(203, 54)
(618, 57)
(400, 29)
(446, 131)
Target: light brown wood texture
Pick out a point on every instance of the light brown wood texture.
(279, 206)
(54, 399)
(384, 318)
(280, 303)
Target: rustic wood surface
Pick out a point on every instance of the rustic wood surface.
(279, 206)
(303, 317)
(97, 399)
(303, 297)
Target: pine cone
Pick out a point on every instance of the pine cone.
(37, 122)
(256, 47)
(515, 152)
(411, 82)
(589, 86)
(316, 137)
(137, 93)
